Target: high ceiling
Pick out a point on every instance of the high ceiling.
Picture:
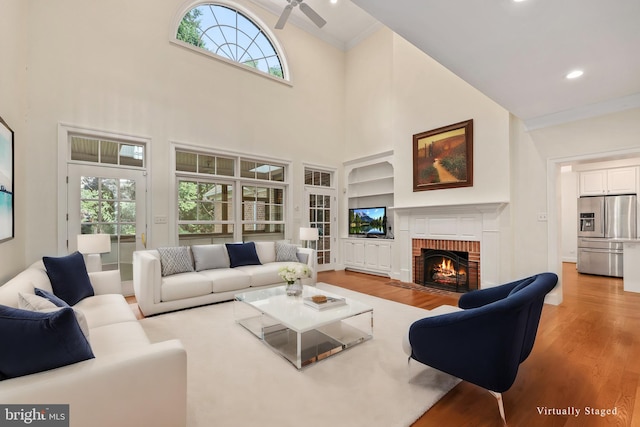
(346, 26)
(516, 53)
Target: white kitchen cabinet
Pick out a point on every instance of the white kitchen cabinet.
(608, 181)
(368, 255)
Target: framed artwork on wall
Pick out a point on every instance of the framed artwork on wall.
(7, 202)
(443, 157)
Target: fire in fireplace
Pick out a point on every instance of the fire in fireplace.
(449, 270)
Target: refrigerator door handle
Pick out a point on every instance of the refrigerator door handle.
(604, 251)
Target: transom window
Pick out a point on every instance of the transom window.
(317, 178)
(203, 163)
(230, 34)
(261, 170)
(94, 150)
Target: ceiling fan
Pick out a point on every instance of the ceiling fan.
(305, 8)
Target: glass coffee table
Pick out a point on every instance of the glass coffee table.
(299, 333)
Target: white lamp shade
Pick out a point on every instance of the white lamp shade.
(308, 233)
(94, 243)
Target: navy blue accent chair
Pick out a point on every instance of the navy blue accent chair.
(486, 342)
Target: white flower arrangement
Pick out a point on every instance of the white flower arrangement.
(291, 273)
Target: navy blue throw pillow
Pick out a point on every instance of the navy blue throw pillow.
(242, 254)
(38, 341)
(69, 278)
(51, 297)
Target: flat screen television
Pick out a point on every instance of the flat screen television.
(368, 222)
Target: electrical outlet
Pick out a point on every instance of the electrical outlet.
(542, 216)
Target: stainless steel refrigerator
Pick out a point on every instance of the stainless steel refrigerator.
(603, 222)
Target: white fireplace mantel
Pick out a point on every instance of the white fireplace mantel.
(473, 222)
(480, 208)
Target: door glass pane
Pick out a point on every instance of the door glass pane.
(127, 189)
(108, 206)
(320, 218)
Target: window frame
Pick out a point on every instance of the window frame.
(237, 182)
(262, 26)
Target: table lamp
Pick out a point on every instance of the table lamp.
(308, 234)
(91, 246)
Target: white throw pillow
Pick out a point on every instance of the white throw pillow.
(266, 252)
(34, 302)
(209, 257)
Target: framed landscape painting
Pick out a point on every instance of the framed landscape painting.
(6, 182)
(443, 157)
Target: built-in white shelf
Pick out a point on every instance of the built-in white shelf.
(369, 183)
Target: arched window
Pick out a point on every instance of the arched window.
(231, 34)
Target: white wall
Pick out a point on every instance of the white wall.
(569, 207)
(110, 66)
(394, 91)
(13, 45)
(368, 96)
(428, 96)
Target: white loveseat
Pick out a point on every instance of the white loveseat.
(212, 279)
(129, 382)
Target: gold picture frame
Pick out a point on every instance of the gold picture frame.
(443, 157)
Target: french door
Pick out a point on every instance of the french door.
(109, 200)
(321, 214)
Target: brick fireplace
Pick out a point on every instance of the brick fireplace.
(474, 228)
(446, 264)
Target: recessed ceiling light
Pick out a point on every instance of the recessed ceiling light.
(334, 1)
(575, 74)
(518, 1)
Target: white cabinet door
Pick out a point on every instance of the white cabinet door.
(609, 181)
(358, 254)
(371, 255)
(621, 181)
(593, 183)
(384, 257)
(368, 255)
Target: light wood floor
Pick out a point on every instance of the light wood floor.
(586, 355)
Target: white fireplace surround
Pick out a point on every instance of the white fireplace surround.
(474, 222)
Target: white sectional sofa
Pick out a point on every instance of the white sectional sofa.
(209, 275)
(129, 382)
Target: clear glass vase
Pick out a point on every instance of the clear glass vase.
(294, 288)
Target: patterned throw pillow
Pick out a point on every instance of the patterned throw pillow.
(175, 260)
(286, 252)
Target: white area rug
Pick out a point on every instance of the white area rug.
(236, 380)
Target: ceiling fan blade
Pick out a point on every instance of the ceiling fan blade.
(284, 17)
(312, 14)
